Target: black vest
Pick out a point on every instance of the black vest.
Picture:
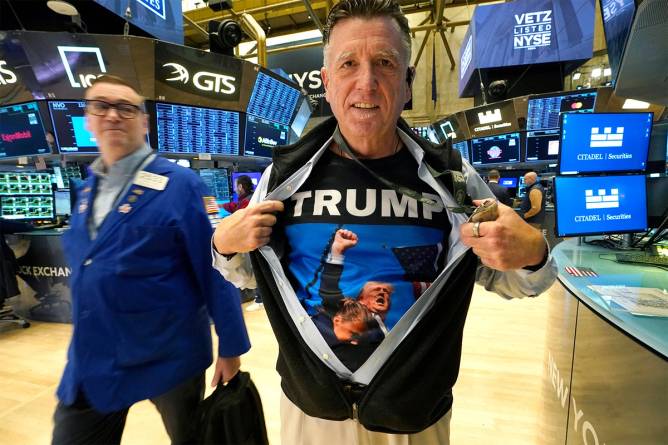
(420, 372)
(539, 217)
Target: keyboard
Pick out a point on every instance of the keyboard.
(642, 258)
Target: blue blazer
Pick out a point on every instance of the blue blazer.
(140, 294)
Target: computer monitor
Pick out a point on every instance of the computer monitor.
(186, 129)
(521, 187)
(658, 148)
(301, 118)
(273, 99)
(63, 175)
(254, 177)
(510, 183)
(499, 149)
(22, 131)
(25, 183)
(69, 126)
(262, 136)
(62, 203)
(544, 109)
(216, 179)
(542, 145)
(604, 142)
(28, 208)
(463, 148)
(596, 205)
(657, 200)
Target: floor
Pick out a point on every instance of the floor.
(497, 398)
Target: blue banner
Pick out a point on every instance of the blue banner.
(160, 18)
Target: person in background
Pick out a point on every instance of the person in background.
(533, 203)
(142, 284)
(244, 188)
(499, 191)
(401, 391)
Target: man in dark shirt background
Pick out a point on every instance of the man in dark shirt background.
(499, 191)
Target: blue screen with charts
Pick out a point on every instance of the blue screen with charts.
(588, 205)
(604, 142)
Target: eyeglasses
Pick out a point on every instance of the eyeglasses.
(101, 108)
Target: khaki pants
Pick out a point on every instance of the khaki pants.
(298, 428)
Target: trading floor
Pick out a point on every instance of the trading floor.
(498, 398)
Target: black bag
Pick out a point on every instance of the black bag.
(232, 415)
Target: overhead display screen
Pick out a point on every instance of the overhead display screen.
(544, 110)
(491, 119)
(588, 205)
(499, 149)
(22, 131)
(542, 146)
(69, 126)
(604, 142)
(160, 18)
(262, 136)
(272, 99)
(190, 130)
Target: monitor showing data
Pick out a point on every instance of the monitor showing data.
(604, 142)
(591, 205)
(544, 110)
(22, 131)
(186, 129)
(27, 207)
(217, 181)
(19, 183)
(69, 126)
(510, 183)
(273, 99)
(463, 148)
(262, 136)
(542, 145)
(499, 149)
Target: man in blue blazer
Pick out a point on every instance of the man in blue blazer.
(142, 284)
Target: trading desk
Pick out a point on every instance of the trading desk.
(606, 375)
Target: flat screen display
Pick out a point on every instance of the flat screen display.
(262, 136)
(38, 207)
(592, 205)
(499, 149)
(542, 145)
(19, 183)
(508, 182)
(273, 99)
(657, 200)
(521, 187)
(617, 20)
(604, 142)
(187, 129)
(544, 110)
(254, 177)
(69, 125)
(497, 118)
(62, 202)
(64, 175)
(216, 180)
(463, 148)
(22, 131)
(160, 18)
(301, 118)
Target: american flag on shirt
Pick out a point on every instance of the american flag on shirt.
(581, 271)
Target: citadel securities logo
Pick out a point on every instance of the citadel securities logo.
(6, 76)
(83, 80)
(490, 116)
(608, 138)
(203, 80)
(532, 30)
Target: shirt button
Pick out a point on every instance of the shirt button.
(88, 262)
(289, 188)
(325, 356)
(301, 319)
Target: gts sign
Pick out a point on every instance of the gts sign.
(203, 80)
(6, 76)
(314, 79)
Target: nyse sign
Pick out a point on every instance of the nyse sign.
(6, 76)
(532, 30)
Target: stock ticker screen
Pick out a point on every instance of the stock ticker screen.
(186, 129)
(22, 131)
(463, 148)
(69, 126)
(263, 135)
(26, 196)
(217, 181)
(544, 110)
(272, 99)
(497, 149)
(542, 145)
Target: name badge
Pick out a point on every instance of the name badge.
(151, 180)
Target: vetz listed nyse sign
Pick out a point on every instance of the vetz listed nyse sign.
(532, 30)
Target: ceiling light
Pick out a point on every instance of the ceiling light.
(632, 104)
(62, 7)
(596, 72)
(577, 75)
(607, 72)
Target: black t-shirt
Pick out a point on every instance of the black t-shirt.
(393, 248)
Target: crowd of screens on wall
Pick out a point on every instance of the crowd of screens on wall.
(276, 115)
(26, 196)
